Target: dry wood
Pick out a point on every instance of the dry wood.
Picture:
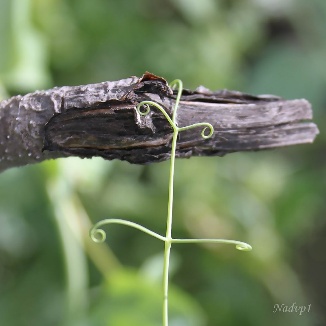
(101, 120)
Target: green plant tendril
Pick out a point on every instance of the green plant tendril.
(99, 235)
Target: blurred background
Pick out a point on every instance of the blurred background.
(50, 271)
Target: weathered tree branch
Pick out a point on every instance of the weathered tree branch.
(101, 120)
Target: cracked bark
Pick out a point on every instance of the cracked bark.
(101, 120)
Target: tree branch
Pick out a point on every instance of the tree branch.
(101, 120)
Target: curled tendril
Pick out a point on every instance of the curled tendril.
(238, 244)
(147, 104)
(206, 126)
(210, 134)
(144, 105)
(244, 247)
(97, 235)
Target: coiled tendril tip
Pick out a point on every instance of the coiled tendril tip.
(211, 131)
(244, 247)
(97, 235)
(145, 107)
(175, 83)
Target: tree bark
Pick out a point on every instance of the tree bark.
(102, 120)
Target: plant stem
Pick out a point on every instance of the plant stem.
(167, 247)
(98, 235)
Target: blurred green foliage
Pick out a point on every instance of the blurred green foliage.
(50, 271)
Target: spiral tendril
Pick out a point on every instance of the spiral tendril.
(210, 134)
(147, 109)
(147, 104)
(244, 246)
(97, 235)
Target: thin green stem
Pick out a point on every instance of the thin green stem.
(167, 247)
(176, 82)
(168, 243)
